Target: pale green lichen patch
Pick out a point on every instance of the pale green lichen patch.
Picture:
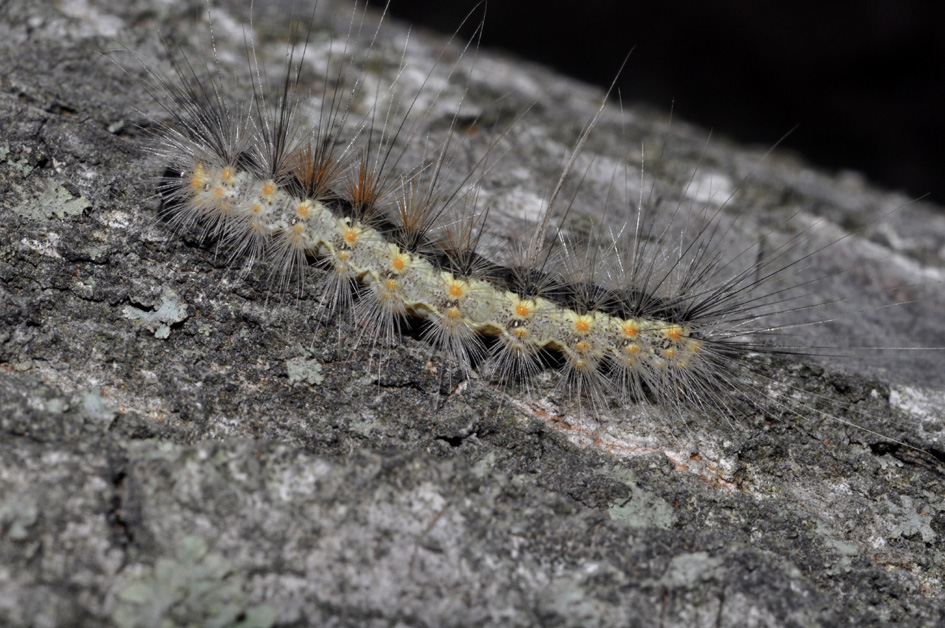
(169, 312)
(18, 513)
(19, 166)
(53, 201)
(97, 409)
(302, 369)
(643, 509)
(911, 520)
(196, 587)
(689, 569)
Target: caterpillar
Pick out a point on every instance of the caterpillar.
(659, 303)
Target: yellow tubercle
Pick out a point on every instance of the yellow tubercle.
(297, 234)
(399, 260)
(457, 289)
(582, 323)
(199, 178)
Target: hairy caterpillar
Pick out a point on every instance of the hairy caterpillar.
(660, 301)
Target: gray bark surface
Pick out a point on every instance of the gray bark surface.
(179, 446)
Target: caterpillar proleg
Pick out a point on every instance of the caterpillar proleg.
(622, 292)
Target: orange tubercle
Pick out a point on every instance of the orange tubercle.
(582, 325)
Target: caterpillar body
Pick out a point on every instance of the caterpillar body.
(386, 216)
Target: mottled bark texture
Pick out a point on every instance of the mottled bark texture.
(178, 446)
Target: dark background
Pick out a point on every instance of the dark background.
(862, 81)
